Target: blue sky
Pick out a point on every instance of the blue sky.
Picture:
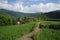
(31, 2)
(30, 5)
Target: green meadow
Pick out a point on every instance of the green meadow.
(50, 22)
(14, 25)
(47, 34)
(15, 31)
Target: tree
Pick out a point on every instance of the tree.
(5, 20)
(26, 19)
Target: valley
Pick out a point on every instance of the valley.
(29, 26)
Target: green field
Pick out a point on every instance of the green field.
(50, 22)
(47, 34)
(15, 31)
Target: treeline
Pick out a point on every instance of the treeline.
(8, 20)
(5, 20)
(50, 26)
(50, 16)
(26, 19)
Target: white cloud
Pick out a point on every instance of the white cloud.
(18, 6)
(15, 6)
(4, 4)
(43, 7)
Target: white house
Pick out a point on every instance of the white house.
(18, 22)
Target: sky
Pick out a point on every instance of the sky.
(30, 6)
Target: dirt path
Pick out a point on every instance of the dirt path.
(29, 36)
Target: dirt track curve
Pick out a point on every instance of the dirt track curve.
(29, 35)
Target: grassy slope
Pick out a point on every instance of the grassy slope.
(48, 34)
(51, 22)
(15, 31)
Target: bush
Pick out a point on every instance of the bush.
(5, 20)
(54, 26)
(26, 19)
(41, 26)
(50, 26)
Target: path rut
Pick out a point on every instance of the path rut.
(29, 36)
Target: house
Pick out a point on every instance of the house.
(18, 22)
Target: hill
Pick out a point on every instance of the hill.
(15, 14)
(52, 15)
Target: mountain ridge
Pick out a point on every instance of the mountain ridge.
(52, 14)
(15, 14)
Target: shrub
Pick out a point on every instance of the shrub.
(5, 20)
(50, 26)
(54, 26)
(26, 19)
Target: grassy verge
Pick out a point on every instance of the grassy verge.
(50, 22)
(14, 31)
(47, 34)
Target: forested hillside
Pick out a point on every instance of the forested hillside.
(15, 13)
(53, 14)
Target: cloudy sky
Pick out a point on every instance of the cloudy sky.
(29, 6)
